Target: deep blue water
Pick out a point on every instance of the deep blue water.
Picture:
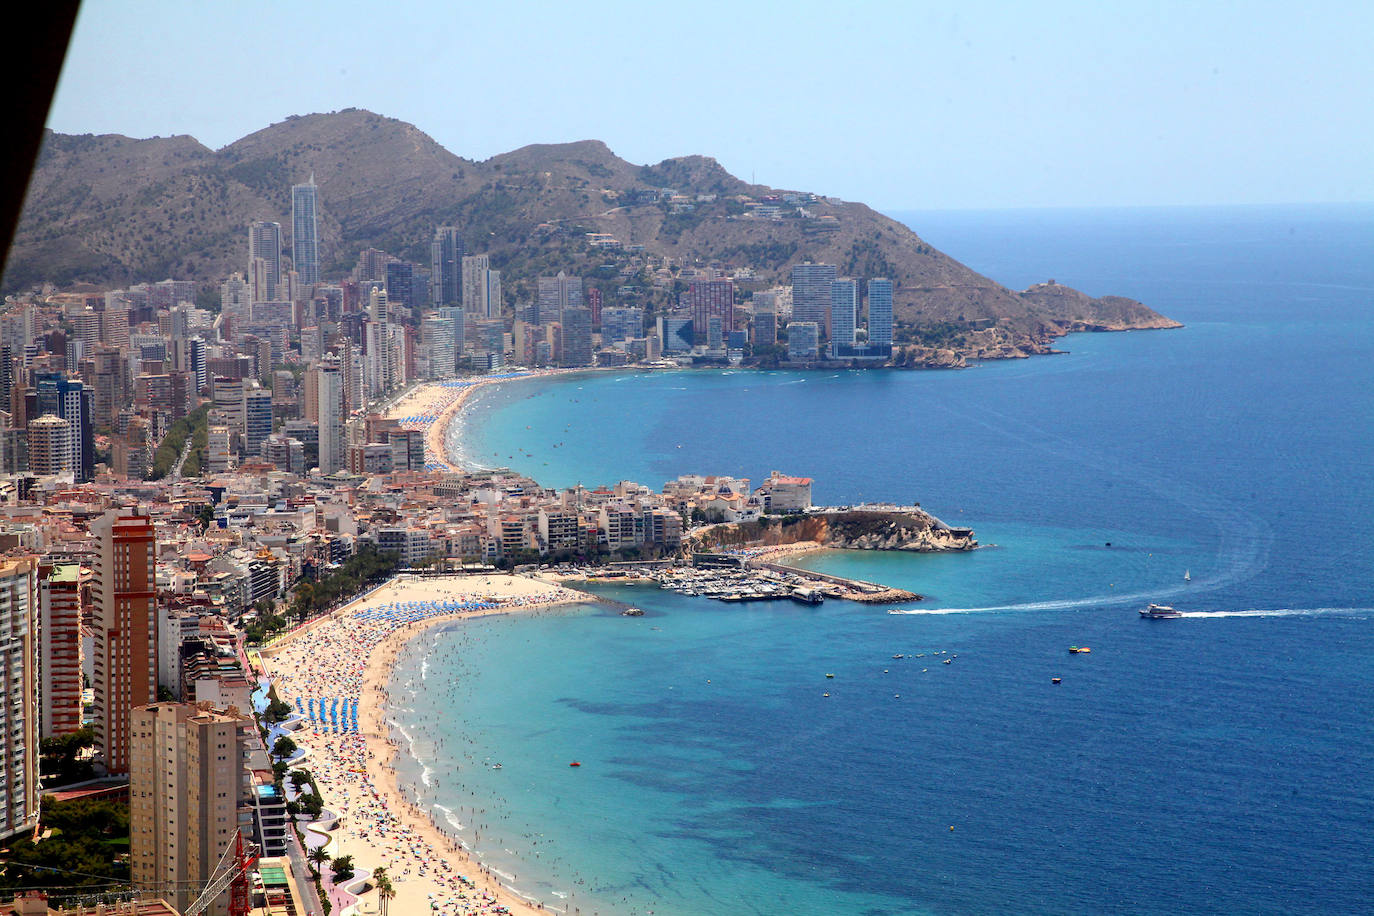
(1218, 764)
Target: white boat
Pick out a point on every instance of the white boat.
(1159, 612)
(1187, 576)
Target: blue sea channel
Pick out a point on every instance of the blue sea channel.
(1218, 763)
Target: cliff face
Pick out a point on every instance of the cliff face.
(851, 530)
(111, 210)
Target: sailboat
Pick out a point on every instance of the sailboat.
(1187, 576)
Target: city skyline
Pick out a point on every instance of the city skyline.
(989, 106)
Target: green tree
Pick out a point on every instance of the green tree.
(342, 867)
(283, 747)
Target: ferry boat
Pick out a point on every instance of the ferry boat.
(1159, 612)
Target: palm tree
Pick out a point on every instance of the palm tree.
(384, 889)
(318, 857)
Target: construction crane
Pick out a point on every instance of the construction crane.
(231, 871)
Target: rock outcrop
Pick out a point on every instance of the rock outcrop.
(907, 528)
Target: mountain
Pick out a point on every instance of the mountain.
(110, 210)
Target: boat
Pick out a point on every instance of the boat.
(830, 675)
(1159, 612)
(1187, 576)
(575, 764)
(1075, 650)
(1056, 680)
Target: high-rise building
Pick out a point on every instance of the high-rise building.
(707, 298)
(556, 295)
(802, 340)
(19, 681)
(257, 420)
(124, 592)
(59, 601)
(460, 329)
(475, 267)
(329, 402)
(400, 283)
(188, 794)
(577, 336)
(844, 314)
(811, 293)
(305, 240)
(217, 448)
(621, 323)
(438, 337)
(446, 267)
(71, 400)
(879, 314)
(49, 448)
(264, 259)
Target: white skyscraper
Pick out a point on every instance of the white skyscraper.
(19, 711)
(330, 399)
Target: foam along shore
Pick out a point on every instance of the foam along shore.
(335, 675)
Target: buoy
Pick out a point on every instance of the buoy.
(951, 827)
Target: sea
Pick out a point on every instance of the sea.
(771, 758)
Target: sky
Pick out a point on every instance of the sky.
(901, 105)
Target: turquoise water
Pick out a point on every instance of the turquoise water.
(1215, 764)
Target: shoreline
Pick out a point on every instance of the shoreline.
(433, 405)
(351, 652)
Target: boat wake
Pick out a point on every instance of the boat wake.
(1284, 612)
(1117, 600)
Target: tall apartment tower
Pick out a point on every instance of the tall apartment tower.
(186, 782)
(577, 336)
(124, 593)
(879, 314)
(811, 293)
(708, 299)
(71, 400)
(446, 267)
(257, 420)
(264, 250)
(305, 240)
(844, 315)
(329, 402)
(49, 446)
(59, 648)
(19, 711)
(557, 295)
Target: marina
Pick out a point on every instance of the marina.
(738, 584)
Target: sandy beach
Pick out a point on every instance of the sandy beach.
(350, 655)
(433, 405)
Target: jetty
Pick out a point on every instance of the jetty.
(736, 583)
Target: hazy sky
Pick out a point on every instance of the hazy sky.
(901, 105)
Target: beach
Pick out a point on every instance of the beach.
(349, 657)
(431, 406)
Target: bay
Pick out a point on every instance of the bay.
(1212, 764)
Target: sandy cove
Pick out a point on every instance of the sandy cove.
(349, 656)
(431, 406)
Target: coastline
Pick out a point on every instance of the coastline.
(432, 406)
(352, 653)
